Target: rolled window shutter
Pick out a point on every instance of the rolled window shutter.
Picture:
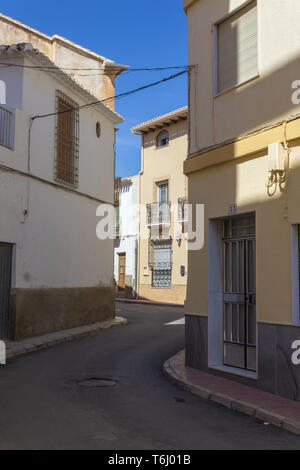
(163, 255)
(237, 48)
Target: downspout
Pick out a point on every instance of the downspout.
(26, 210)
(136, 269)
(139, 229)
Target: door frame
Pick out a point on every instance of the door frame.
(123, 254)
(215, 340)
(244, 297)
(10, 322)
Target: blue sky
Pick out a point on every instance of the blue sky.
(137, 33)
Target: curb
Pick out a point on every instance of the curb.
(231, 403)
(148, 302)
(41, 342)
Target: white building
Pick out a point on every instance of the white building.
(126, 245)
(54, 173)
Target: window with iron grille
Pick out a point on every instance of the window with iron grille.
(160, 260)
(237, 48)
(67, 140)
(162, 139)
(117, 213)
(6, 128)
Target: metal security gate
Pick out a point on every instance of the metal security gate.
(5, 288)
(240, 293)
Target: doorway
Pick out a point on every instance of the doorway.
(5, 289)
(122, 271)
(239, 321)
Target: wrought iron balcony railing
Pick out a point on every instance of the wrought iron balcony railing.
(158, 214)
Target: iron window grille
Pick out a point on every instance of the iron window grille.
(67, 140)
(163, 139)
(6, 128)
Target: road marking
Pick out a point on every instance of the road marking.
(177, 322)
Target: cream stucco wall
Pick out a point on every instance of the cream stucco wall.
(278, 55)
(230, 162)
(158, 165)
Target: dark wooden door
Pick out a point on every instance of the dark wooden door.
(5, 287)
(122, 270)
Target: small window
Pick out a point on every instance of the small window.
(67, 140)
(237, 48)
(163, 139)
(98, 130)
(6, 128)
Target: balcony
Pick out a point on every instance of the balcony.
(158, 214)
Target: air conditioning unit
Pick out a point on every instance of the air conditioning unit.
(276, 157)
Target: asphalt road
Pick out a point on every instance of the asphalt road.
(43, 407)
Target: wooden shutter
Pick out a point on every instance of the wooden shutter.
(237, 48)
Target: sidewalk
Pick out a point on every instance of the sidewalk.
(16, 348)
(261, 405)
(148, 302)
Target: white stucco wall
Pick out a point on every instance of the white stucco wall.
(56, 244)
(129, 227)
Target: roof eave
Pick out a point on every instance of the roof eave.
(161, 122)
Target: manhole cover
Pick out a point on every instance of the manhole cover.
(97, 382)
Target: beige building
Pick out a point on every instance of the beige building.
(242, 309)
(162, 267)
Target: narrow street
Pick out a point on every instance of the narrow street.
(43, 407)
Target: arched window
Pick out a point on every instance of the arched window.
(2, 92)
(163, 139)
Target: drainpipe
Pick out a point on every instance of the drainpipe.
(26, 210)
(136, 268)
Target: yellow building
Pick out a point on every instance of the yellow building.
(242, 308)
(162, 272)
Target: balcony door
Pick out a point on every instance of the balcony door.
(163, 200)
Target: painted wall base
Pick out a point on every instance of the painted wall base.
(176, 294)
(40, 311)
(276, 373)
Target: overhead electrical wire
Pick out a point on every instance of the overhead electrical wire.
(120, 95)
(98, 71)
